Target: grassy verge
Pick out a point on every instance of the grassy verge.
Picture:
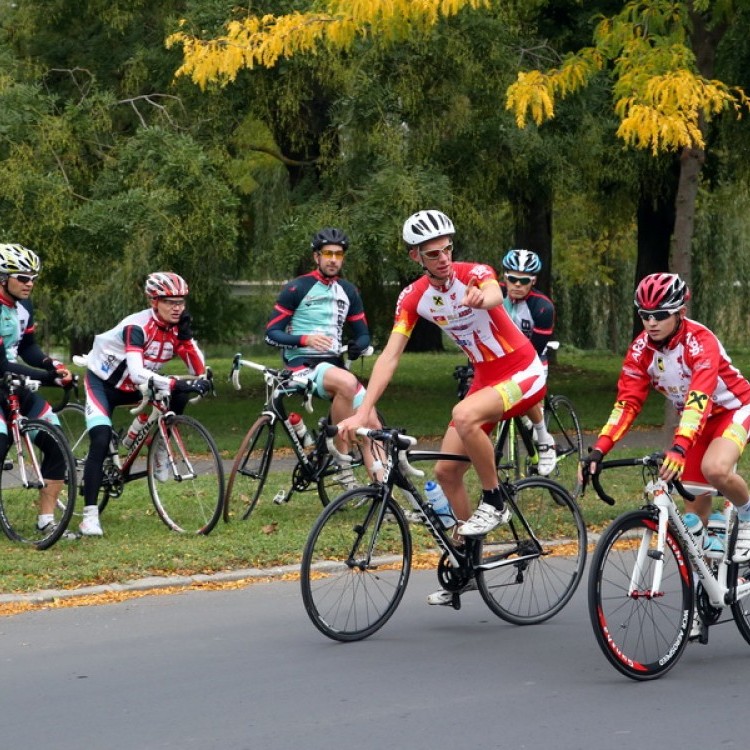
(137, 544)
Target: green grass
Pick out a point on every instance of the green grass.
(137, 544)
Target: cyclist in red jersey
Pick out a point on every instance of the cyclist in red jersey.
(686, 362)
(465, 300)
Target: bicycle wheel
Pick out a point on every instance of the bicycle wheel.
(250, 469)
(22, 479)
(190, 500)
(564, 427)
(642, 634)
(529, 568)
(741, 608)
(355, 565)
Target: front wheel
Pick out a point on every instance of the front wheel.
(641, 632)
(250, 469)
(528, 569)
(187, 480)
(356, 564)
(40, 466)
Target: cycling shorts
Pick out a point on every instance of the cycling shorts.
(33, 406)
(316, 375)
(732, 425)
(520, 380)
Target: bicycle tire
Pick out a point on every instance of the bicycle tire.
(642, 635)
(528, 569)
(72, 418)
(193, 500)
(565, 428)
(19, 506)
(740, 609)
(250, 468)
(355, 565)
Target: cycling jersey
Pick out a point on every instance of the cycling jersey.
(17, 338)
(534, 315)
(693, 371)
(316, 304)
(137, 348)
(484, 335)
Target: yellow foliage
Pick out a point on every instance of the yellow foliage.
(262, 41)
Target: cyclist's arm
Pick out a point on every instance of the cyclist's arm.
(543, 315)
(191, 355)
(135, 339)
(280, 318)
(632, 390)
(703, 381)
(356, 319)
(47, 377)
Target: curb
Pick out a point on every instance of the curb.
(152, 583)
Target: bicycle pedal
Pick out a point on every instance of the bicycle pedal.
(7, 465)
(456, 602)
(280, 498)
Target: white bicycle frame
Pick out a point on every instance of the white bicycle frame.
(715, 586)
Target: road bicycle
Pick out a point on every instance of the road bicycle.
(357, 558)
(642, 597)
(314, 466)
(512, 434)
(35, 444)
(188, 494)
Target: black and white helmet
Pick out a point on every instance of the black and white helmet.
(18, 259)
(426, 225)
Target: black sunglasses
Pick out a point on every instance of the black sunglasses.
(518, 279)
(657, 315)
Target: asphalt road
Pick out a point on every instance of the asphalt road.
(246, 669)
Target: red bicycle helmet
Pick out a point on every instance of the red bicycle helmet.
(165, 284)
(661, 291)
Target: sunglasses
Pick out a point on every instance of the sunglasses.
(332, 253)
(523, 280)
(435, 254)
(172, 302)
(657, 315)
(25, 278)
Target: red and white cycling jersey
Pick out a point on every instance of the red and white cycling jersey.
(693, 371)
(137, 348)
(484, 335)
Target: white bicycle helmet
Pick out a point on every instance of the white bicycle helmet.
(165, 284)
(426, 225)
(18, 259)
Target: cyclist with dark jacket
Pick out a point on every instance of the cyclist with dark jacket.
(20, 354)
(307, 324)
(534, 313)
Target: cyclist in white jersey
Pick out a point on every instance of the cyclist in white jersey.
(128, 355)
(19, 269)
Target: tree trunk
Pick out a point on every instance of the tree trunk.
(533, 231)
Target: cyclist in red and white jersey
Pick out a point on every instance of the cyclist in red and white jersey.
(465, 300)
(128, 355)
(686, 362)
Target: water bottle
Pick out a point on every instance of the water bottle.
(134, 429)
(299, 426)
(441, 506)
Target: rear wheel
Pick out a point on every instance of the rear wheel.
(641, 632)
(529, 568)
(250, 469)
(355, 565)
(43, 450)
(189, 496)
(565, 429)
